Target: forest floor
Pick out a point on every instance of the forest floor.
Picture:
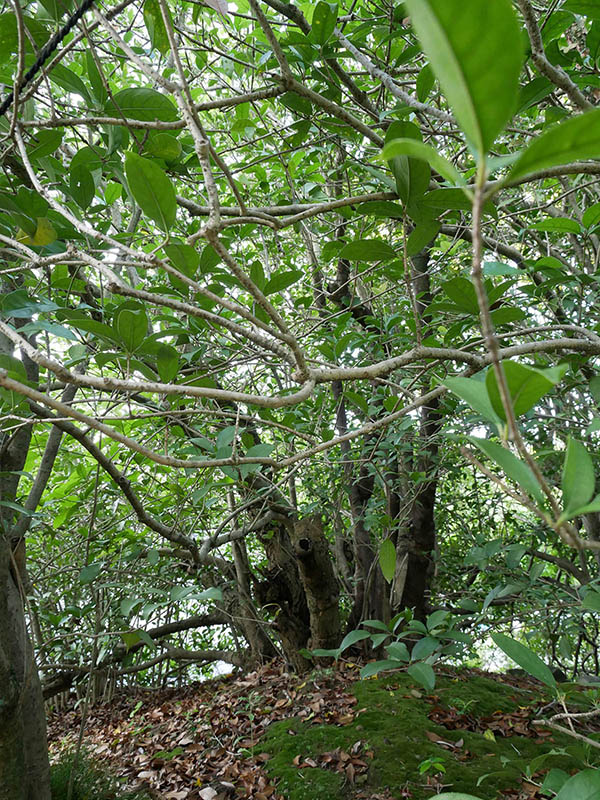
(330, 736)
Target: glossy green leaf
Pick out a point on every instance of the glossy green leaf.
(163, 145)
(591, 600)
(587, 8)
(323, 22)
(575, 139)
(375, 667)
(130, 325)
(591, 216)
(423, 673)
(282, 280)
(381, 208)
(421, 236)
(155, 26)
(95, 79)
(585, 785)
(526, 385)
(82, 186)
(557, 225)
(387, 560)
(456, 796)
(425, 152)
(151, 189)
(143, 103)
(352, 638)
(368, 250)
(475, 394)
(411, 174)
(424, 648)
(525, 658)
(9, 41)
(45, 143)
(397, 651)
(67, 79)
(167, 362)
(578, 479)
(477, 59)
(462, 292)
(89, 573)
(517, 470)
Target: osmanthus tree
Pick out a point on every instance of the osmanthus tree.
(257, 258)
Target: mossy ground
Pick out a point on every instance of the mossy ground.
(393, 726)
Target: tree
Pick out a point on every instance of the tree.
(266, 267)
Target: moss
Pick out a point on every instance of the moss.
(393, 726)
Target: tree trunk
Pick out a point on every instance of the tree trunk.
(319, 581)
(283, 592)
(24, 768)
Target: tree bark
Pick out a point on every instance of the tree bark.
(283, 592)
(24, 766)
(319, 581)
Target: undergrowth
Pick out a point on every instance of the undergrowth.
(89, 781)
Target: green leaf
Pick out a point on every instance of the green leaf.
(163, 145)
(260, 450)
(155, 26)
(578, 477)
(167, 362)
(591, 216)
(557, 225)
(45, 143)
(477, 59)
(67, 79)
(588, 508)
(422, 235)
(387, 560)
(352, 638)
(143, 104)
(323, 22)
(526, 386)
(151, 189)
(475, 394)
(424, 648)
(82, 186)
(379, 666)
(281, 281)
(591, 600)
(585, 785)
(462, 292)
(396, 650)
(368, 250)
(576, 138)
(587, 8)
(95, 79)
(90, 573)
(423, 674)
(517, 470)
(130, 324)
(425, 152)
(456, 796)
(9, 41)
(525, 658)
(412, 174)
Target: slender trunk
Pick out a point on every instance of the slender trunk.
(24, 769)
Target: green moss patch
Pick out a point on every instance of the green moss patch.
(393, 735)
